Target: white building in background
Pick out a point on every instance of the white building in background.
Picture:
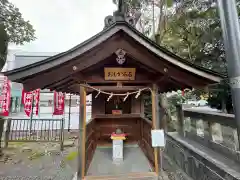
(17, 59)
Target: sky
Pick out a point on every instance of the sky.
(62, 24)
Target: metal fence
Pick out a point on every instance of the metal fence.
(37, 130)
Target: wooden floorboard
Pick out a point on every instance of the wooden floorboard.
(131, 176)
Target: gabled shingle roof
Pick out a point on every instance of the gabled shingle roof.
(137, 35)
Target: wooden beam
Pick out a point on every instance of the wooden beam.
(161, 79)
(67, 84)
(71, 88)
(96, 77)
(94, 56)
(102, 52)
(117, 89)
(142, 66)
(108, 62)
(166, 83)
(63, 84)
(55, 83)
(63, 81)
(82, 135)
(149, 59)
(155, 123)
(177, 83)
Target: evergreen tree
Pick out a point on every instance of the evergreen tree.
(13, 28)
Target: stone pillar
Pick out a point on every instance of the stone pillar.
(180, 118)
(117, 150)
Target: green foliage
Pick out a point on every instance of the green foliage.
(220, 97)
(3, 45)
(175, 100)
(169, 3)
(195, 34)
(13, 28)
(132, 4)
(71, 156)
(191, 29)
(147, 106)
(18, 30)
(172, 101)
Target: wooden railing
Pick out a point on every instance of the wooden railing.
(91, 142)
(145, 140)
(212, 129)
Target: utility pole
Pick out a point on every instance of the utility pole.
(31, 116)
(69, 112)
(231, 36)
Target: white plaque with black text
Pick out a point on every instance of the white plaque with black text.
(158, 139)
(117, 150)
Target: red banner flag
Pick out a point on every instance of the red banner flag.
(5, 97)
(27, 98)
(36, 100)
(58, 103)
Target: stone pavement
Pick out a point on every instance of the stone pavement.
(134, 162)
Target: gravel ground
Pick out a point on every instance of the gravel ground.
(44, 161)
(38, 161)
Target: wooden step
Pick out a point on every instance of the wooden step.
(130, 176)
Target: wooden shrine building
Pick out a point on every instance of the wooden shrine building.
(111, 65)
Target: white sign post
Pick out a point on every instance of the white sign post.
(158, 140)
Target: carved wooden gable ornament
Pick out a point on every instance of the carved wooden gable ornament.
(120, 56)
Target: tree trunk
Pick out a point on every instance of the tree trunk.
(161, 24)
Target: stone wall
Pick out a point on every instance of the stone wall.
(192, 164)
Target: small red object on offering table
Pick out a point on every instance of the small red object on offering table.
(116, 112)
(115, 136)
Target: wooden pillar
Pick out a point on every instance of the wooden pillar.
(82, 134)
(142, 106)
(155, 123)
